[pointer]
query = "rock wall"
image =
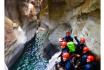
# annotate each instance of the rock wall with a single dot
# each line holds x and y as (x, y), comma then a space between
(20, 27)
(83, 16)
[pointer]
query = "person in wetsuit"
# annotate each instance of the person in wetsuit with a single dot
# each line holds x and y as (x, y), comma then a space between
(68, 37)
(90, 65)
(80, 45)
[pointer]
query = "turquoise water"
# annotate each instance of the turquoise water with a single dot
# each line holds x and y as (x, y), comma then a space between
(32, 58)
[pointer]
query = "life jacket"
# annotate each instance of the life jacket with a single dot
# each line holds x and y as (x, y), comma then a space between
(71, 46)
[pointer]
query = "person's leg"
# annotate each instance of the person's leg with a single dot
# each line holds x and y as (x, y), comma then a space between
(62, 64)
(88, 67)
(68, 65)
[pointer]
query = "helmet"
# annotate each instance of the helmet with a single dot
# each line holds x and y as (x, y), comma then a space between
(71, 46)
(65, 55)
(82, 40)
(60, 39)
(90, 58)
(63, 43)
(85, 49)
(68, 33)
(62, 46)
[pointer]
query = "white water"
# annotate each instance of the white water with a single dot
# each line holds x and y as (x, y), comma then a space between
(20, 35)
(52, 61)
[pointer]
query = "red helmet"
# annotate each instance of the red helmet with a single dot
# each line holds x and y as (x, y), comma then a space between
(82, 40)
(63, 43)
(85, 49)
(68, 33)
(65, 55)
(90, 58)
(62, 46)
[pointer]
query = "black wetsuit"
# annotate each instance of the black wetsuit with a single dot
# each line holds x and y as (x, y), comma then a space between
(79, 46)
(68, 38)
(83, 59)
(62, 63)
(89, 66)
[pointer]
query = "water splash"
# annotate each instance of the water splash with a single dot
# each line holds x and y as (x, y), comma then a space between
(20, 35)
(52, 61)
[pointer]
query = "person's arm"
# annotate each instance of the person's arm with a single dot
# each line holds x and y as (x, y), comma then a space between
(78, 63)
(75, 37)
(64, 38)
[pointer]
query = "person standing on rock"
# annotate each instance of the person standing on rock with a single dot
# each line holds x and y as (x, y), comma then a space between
(86, 57)
(82, 60)
(66, 62)
(80, 45)
(90, 65)
(64, 47)
(68, 37)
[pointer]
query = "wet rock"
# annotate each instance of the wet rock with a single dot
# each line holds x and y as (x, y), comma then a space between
(49, 50)
(14, 40)
(88, 26)
(13, 53)
(20, 26)
(85, 22)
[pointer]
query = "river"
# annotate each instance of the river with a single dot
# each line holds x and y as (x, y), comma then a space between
(31, 58)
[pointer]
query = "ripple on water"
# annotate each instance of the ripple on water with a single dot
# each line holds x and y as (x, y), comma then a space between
(32, 59)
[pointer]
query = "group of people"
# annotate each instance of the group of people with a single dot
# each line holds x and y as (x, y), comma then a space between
(75, 54)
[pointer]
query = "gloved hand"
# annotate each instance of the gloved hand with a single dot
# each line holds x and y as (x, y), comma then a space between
(78, 55)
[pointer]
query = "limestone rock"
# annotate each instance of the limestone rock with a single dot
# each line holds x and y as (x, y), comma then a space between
(10, 37)
(13, 44)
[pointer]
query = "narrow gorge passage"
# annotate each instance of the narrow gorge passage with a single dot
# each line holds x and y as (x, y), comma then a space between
(32, 58)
